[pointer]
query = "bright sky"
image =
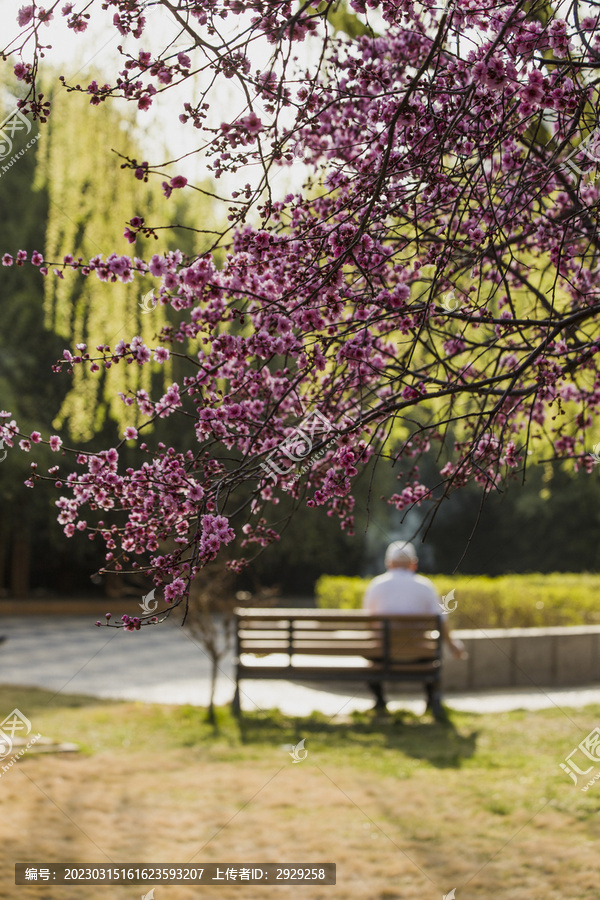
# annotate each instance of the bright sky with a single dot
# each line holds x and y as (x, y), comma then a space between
(95, 52)
(161, 136)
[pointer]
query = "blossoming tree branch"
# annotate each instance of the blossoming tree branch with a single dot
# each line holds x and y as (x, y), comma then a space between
(436, 276)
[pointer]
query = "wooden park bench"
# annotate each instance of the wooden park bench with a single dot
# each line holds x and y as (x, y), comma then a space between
(338, 645)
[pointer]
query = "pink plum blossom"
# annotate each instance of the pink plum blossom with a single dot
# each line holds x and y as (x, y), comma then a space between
(25, 15)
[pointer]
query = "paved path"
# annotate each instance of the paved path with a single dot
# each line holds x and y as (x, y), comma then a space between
(165, 664)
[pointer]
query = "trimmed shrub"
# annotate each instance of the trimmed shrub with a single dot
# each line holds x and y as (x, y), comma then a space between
(508, 601)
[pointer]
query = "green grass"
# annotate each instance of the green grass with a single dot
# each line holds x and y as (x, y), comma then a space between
(508, 601)
(528, 742)
(478, 802)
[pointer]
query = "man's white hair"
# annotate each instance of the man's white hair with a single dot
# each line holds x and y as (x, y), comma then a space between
(400, 552)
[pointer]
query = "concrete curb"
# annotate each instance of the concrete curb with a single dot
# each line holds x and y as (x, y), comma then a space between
(525, 657)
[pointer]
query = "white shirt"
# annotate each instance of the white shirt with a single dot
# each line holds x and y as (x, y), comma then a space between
(402, 592)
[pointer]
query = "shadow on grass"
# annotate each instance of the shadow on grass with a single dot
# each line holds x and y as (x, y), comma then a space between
(382, 740)
(440, 743)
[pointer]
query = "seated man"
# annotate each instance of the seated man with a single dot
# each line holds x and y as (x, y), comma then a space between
(401, 592)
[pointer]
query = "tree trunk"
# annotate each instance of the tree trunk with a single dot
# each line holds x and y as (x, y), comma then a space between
(214, 661)
(20, 562)
(4, 544)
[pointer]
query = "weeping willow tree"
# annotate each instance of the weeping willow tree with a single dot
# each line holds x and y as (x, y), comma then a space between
(90, 199)
(68, 194)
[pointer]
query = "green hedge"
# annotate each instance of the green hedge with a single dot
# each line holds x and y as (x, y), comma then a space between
(509, 601)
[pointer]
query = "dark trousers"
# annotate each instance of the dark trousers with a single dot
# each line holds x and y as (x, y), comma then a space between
(376, 689)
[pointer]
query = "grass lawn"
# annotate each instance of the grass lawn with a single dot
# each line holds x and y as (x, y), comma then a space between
(406, 807)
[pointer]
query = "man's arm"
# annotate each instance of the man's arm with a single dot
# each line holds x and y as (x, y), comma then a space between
(456, 647)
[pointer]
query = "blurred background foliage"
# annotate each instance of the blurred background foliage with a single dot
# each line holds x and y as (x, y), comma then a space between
(69, 193)
(508, 601)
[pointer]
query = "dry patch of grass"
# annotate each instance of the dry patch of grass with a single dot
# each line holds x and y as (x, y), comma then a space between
(407, 808)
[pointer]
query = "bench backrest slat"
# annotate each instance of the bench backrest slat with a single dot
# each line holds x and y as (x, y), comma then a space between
(338, 632)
